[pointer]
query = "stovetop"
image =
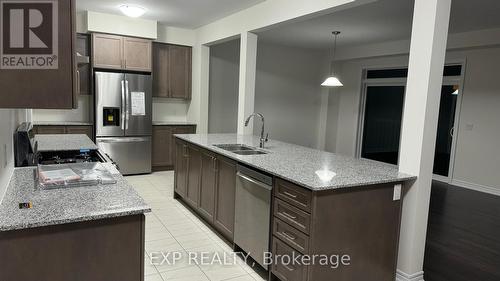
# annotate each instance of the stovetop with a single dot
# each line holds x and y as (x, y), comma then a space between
(72, 156)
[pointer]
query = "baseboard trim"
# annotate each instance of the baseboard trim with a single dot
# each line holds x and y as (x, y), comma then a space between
(476, 187)
(401, 276)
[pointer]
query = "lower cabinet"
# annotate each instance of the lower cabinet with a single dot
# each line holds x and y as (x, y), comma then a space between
(163, 157)
(208, 184)
(60, 129)
(181, 166)
(193, 176)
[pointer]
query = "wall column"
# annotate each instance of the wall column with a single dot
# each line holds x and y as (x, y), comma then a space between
(246, 93)
(419, 128)
(198, 107)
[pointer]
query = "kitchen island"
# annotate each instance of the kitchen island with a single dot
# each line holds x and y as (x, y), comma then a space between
(322, 203)
(93, 232)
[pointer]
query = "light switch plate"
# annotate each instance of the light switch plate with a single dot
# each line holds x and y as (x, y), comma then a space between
(397, 192)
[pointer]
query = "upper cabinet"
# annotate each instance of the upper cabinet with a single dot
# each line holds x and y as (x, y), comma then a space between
(40, 72)
(121, 53)
(172, 67)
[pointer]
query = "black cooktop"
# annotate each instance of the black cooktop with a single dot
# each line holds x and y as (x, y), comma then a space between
(70, 156)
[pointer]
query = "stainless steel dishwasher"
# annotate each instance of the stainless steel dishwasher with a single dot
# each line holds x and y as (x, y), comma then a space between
(253, 212)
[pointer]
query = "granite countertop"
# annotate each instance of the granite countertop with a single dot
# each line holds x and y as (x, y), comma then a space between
(61, 142)
(300, 164)
(65, 205)
(173, 123)
(62, 123)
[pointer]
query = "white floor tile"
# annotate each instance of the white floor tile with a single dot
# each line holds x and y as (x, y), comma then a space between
(191, 273)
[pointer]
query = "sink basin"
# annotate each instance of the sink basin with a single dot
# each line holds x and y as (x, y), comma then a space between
(240, 149)
(234, 147)
(249, 152)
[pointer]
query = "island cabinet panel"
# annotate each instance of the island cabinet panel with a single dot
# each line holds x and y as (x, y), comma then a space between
(225, 197)
(193, 177)
(207, 186)
(172, 71)
(98, 250)
(181, 166)
(29, 77)
(163, 157)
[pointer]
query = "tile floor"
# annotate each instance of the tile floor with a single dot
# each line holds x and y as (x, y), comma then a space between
(171, 227)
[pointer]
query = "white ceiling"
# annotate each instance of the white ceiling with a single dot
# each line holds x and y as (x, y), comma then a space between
(384, 20)
(179, 13)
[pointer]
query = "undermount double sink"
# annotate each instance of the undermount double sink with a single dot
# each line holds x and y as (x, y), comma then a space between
(240, 149)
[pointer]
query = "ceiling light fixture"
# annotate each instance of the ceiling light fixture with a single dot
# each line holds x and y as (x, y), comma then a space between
(132, 11)
(333, 81)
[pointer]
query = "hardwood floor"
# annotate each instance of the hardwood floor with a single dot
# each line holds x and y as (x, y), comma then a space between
(463, 238)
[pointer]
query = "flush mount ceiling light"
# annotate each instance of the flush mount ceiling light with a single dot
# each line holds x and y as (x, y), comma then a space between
(132, 11)
(333, 81)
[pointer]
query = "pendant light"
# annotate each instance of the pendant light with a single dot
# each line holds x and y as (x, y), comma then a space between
(333, 81)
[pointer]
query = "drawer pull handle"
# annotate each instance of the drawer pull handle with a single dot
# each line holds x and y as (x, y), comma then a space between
(288, 215)
(289, 194)
(288, 236)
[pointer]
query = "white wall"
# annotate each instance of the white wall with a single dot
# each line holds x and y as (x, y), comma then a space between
(223, 87)
(477, 154)
(107, 23)
(9, 119)
(81, 114)
(169, 110)
(288, 93)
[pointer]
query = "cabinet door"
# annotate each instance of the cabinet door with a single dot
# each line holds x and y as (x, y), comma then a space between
(137, 54)
(49, 130)
(224, 197)
(82, 48)
(160, 70)
(179, 72)
(180, 130)
(107, 51)
(193, 178)
(180, 174)
(85, 130)
(55, 85)
(207, 186)
(162, 146)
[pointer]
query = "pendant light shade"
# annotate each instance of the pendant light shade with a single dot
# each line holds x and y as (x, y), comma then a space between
(333, 81)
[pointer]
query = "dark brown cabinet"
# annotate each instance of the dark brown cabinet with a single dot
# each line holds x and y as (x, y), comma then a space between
(172, 67)
(163, 157)
(121, 53)
(224, 197)
(60, 129)
(42, 77)
(207, 185)
(193, 176)
(181, 166)
(83, 51)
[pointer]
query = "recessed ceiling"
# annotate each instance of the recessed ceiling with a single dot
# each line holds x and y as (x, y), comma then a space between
(179, 13)
(381, 21)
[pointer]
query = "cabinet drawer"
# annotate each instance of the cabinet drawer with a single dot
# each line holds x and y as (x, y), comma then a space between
(293, 194)
(292, 215)
(291, 236)
(287, 272)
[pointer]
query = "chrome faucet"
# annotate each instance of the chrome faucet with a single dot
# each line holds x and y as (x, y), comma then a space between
(262, 139)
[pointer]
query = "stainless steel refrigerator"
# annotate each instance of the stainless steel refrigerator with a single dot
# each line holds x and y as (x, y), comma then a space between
(124, 119)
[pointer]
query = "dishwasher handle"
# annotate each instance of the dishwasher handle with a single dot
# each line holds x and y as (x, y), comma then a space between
(249, 179)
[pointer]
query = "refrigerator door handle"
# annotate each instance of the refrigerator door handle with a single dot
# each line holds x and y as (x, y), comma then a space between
(127, 106)
(123, 103)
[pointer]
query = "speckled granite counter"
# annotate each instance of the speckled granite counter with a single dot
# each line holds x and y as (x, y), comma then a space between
(300, 165)
(60, 142)
(62, 123)
(65, 205)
